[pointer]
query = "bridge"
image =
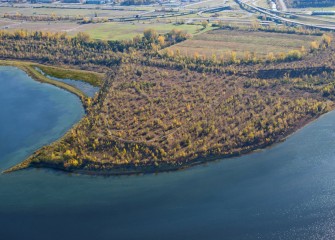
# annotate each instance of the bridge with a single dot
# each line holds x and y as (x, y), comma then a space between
(277, 17)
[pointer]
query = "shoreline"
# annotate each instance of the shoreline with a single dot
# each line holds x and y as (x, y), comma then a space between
(116, 170)
(151, 169)
(29, 69)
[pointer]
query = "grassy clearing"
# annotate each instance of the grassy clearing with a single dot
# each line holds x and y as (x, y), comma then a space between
(86, 76)
(261, 43)
(103, 31)
(122, 31)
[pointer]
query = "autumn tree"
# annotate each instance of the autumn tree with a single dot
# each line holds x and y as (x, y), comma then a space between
(204, 24)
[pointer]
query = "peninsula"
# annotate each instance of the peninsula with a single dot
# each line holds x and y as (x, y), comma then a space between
(160, 109)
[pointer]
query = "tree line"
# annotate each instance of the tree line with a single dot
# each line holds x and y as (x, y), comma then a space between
(162, 110)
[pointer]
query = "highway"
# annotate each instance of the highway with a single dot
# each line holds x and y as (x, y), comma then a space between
(276, 17)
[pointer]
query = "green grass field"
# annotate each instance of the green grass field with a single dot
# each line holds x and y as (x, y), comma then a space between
(122, 31)
(103, 31)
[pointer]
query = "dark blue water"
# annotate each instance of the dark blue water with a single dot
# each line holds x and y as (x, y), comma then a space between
(285, 192)
(88, 89)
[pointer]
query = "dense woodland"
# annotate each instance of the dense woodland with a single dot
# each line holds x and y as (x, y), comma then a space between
(58, 48)
(151, 117)
(160, 112)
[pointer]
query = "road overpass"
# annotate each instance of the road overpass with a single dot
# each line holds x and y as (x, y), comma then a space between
(276, 16)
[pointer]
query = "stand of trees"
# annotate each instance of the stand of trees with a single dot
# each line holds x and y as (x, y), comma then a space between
(157, 112)
(58, 48)
(151, 117)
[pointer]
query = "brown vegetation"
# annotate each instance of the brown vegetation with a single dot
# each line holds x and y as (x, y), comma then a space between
(157, 112)
(244, 46)
(151, 119)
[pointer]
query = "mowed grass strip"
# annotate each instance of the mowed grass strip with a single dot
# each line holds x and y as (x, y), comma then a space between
(261, 43)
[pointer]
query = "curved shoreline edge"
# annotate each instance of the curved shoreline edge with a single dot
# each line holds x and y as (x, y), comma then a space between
(29, 68)
(152, 169)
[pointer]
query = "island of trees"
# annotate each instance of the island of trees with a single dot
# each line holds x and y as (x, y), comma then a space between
(160, 110)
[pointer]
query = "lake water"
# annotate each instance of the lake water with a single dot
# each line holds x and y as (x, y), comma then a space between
(86, 88)
(284, 192)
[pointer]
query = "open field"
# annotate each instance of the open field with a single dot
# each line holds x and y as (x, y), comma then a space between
(261, 43)
(64, 26)
(81, 6)
(7, 22)
(103, 31)
(122, 31)
(31, 11)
